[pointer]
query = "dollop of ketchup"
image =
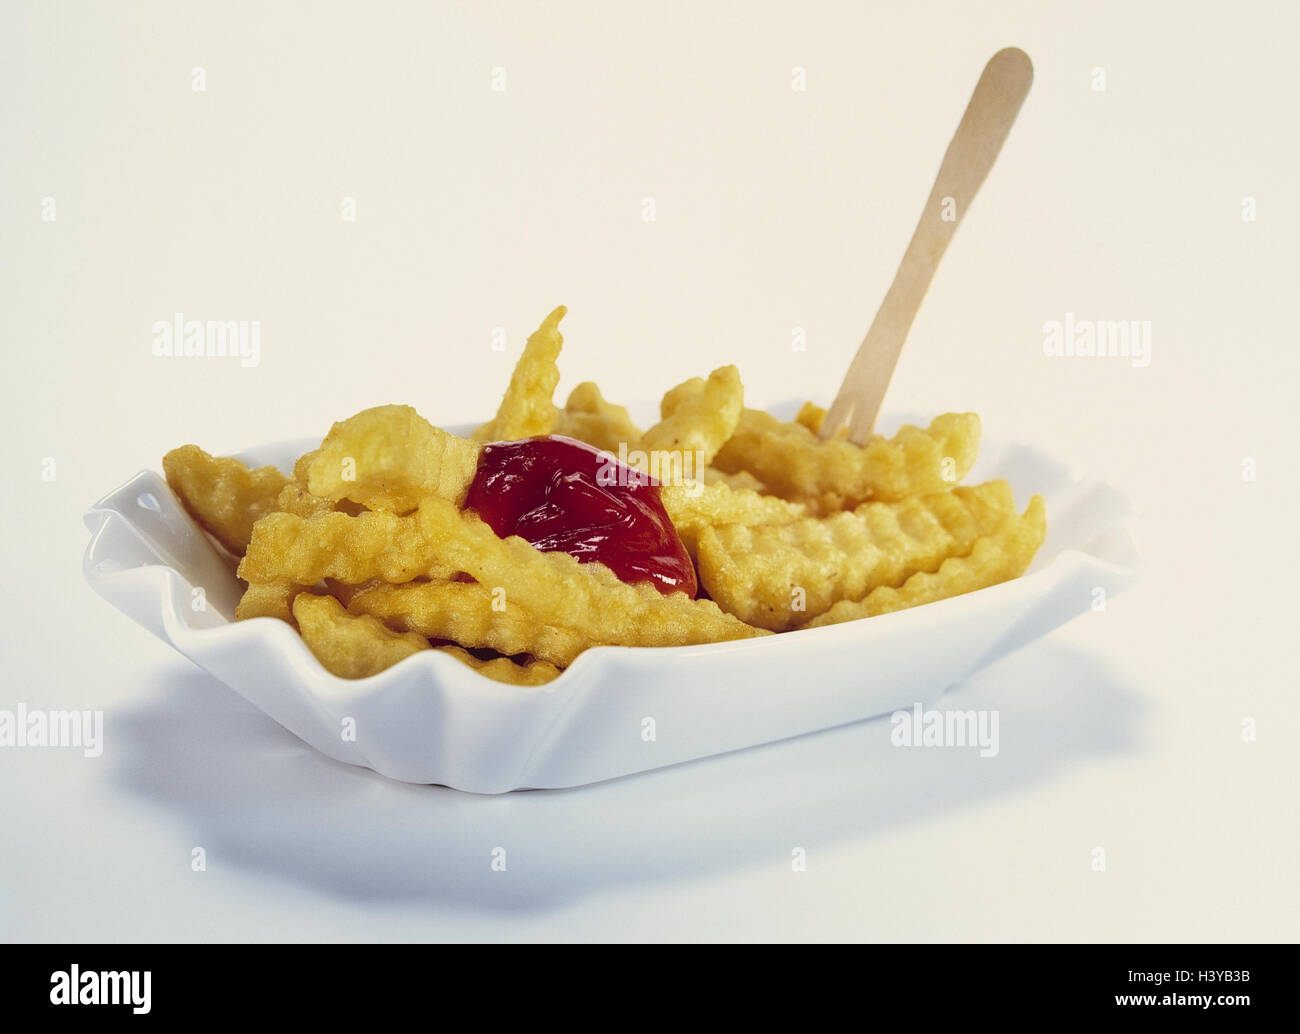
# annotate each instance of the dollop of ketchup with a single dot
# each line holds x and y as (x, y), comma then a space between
(562, 494)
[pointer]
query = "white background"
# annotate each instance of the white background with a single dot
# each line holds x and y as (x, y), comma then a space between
(775, 209)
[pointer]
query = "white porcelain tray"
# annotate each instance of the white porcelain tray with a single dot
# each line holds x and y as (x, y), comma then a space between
(431, 719)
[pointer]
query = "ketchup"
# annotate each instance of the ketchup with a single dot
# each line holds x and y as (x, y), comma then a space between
(562, 494)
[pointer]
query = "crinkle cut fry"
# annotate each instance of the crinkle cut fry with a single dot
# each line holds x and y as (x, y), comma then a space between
(528, 409)
(812, 416)
(345, 592)
(995, 558)
(587, 598)
(222, 494)
(389, 458)
(589, 418)
(504, 669)
(357, 646)
(698, 418)
(778, 576)
(268, 600)
(301, 503)
(469, 614)
(692, 508)
(302, 467)
(349, 646)
(295, 498)
(350, 549)
(794, 463)
(742, 479)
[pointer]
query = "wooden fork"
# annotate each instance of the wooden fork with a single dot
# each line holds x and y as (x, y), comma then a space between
(979, 137)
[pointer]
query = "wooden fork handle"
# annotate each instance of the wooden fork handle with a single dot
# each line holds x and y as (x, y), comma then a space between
(984, 127)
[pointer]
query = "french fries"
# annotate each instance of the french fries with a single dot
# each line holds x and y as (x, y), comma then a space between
(470, 614)
(357, 646)
(295, 500)
(503, 669)
(527, 408)
(589, 418)
(740, 479)
(698, 418)
(778, 576)
(370, 551)
(349, 646)
(995, 558)
(694, 508)
(389, 458)
(268, 600)
(587, 599)
(222, 495)
(374, 544)
(794, 463)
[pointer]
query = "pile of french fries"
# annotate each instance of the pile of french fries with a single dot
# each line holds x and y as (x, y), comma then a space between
(367, 548)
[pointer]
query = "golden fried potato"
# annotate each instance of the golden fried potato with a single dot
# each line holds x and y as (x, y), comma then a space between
(527, 408)
(293, 499)
(589, 418)
(794, 463)
(777, 576)
(302, 468)
(368, 552)
(349, 646)
(346, 593)
(692, 508)
(812, 416)
(503, 669)
(674, 397)
(995, 558)
(698, 417)
(555, 588)
(221, 494)
(268, 600)
(389, 458)
(469, 614)
(741, 479)
(286, 547)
